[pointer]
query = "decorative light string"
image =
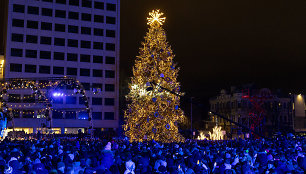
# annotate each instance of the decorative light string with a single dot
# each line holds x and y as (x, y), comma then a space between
(40, 95)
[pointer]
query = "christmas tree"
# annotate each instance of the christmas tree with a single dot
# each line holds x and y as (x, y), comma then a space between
(153, 112)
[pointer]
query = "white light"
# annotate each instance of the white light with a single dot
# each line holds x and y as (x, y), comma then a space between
(156, 17)
(56, 94)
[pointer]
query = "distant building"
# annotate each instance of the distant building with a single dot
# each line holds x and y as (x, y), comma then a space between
(56, 38)
(278, 112)
(299, 112)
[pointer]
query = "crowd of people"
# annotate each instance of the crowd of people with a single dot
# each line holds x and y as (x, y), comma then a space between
(119, 156)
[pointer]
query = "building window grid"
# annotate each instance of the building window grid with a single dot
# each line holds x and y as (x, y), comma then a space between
(18, 22)
(99, 5)
(31, 53)
(31, 39)
(33, 10)
(110, 20)
(84, 58)
(73, 15)
(60, 27)
(46, 26)
(32, 24)
(18, 8)
(110, 7)
(17, 37)
(97, 59)
(47, 12)
(86, 30)
(109, 34)
(73, 43)
(45, 54)
(58, 70)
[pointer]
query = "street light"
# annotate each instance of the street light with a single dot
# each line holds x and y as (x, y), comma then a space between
(191, 116)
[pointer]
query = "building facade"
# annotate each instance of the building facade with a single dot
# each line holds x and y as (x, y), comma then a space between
(278, 113)
(56, 38)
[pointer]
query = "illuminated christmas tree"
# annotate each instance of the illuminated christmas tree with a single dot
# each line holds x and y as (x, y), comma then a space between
(153, 112)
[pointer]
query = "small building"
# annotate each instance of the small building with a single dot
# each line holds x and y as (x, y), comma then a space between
(262, 110)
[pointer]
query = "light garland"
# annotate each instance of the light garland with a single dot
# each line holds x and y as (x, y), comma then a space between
(40, 90)
(153, 112)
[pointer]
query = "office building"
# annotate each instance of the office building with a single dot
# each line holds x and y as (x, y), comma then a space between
(56, 38)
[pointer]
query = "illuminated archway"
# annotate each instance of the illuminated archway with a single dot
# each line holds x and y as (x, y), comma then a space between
(42, 94)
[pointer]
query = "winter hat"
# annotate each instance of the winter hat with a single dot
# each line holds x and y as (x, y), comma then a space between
(71, 156)
(12, 159)
(270, 157)
(163, 163)
(15, 150)
(37, 161)
(108, 146)
(227, 166)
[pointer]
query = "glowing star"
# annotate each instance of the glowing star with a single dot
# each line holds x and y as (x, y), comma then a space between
(156, 16)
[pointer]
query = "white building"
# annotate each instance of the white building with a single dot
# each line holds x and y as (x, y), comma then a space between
(56, 38)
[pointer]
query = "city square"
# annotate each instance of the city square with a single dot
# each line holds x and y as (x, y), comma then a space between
(134, 87)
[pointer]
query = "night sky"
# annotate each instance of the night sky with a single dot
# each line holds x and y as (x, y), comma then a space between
(221, 43)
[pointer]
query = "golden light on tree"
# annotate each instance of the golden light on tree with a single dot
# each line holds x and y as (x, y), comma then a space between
(153, 112)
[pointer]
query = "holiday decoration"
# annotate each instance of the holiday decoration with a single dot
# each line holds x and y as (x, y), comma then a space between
(217, 133)
(154, 109)
(167, 126)
(156, 114)
(3, 122)
(202, 136)
(42, 97)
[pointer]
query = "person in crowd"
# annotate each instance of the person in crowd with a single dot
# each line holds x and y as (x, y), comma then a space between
(66, 155)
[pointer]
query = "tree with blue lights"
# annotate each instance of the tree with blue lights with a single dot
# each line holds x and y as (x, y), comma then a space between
(154, 112)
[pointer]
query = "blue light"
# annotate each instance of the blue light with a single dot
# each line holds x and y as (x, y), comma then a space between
(57, 94)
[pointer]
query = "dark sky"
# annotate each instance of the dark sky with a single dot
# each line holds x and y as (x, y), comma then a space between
(219, 43)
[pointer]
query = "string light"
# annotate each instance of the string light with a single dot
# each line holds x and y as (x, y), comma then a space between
(39, 95)
(154, 113)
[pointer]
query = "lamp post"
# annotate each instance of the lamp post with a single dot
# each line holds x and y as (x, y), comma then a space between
(191, 116)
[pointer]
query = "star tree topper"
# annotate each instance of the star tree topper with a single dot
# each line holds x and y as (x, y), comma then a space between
(156, 17)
